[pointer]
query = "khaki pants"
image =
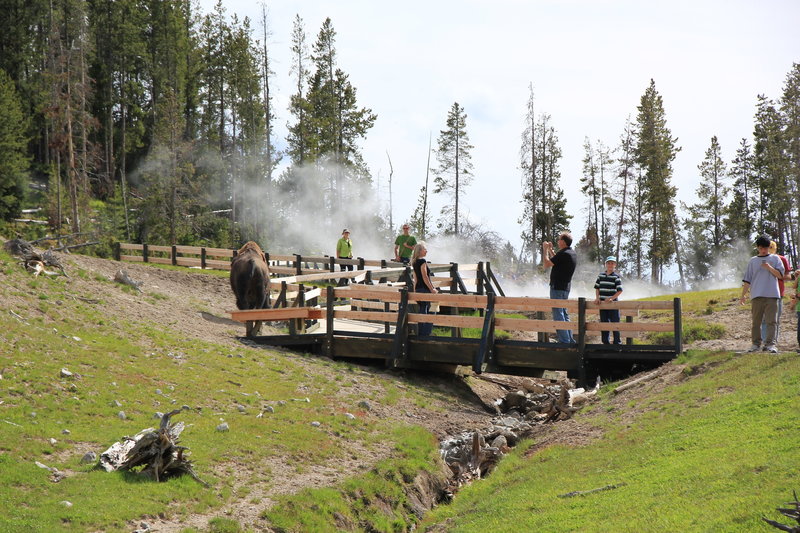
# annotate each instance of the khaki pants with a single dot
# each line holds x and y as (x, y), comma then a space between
(766, 310)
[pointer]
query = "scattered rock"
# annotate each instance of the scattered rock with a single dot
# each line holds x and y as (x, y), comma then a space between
(65, 373)
(158, 415)
(65, 503)
(116, 403)
(241, 408)
(364, 404)
(315, 424)
(223, 427)
(122, 415)
(350, 416)
(53, 441)
(88, 458)
(65, 432)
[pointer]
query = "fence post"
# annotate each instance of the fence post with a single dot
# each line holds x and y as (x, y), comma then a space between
(479, 275)
(297, 266)
(117, 251)
(400, 345)
(486, 348)
(629, 339)
(676, 306)
(144, 253)
(329, 322)
(582, 340)
(360, 263)
(332, 264)
(174, 255)
(203, 258)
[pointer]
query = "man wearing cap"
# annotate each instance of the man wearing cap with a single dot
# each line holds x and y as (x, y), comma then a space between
(344, 249)
(607, 288)
(761, 281)
(404, 246)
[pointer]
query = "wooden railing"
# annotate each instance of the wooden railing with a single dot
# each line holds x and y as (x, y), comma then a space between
(475, 278)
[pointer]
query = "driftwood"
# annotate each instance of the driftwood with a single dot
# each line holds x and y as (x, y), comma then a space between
(34, 261)
(156, 451)
(793, 513)
(122, 277)
(637, 381)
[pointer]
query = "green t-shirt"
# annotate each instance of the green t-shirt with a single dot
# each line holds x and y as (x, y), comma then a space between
(405, 239)
(344, 248)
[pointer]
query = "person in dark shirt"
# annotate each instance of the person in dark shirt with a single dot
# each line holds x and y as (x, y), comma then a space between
(563, 265)
(422, 283)
(607, 288)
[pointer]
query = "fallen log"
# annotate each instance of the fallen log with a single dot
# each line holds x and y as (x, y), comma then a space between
(637, 381)
(591, 491)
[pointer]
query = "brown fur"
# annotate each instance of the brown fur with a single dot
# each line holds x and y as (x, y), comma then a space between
(250, 281)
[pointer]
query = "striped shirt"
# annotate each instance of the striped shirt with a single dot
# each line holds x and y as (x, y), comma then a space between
(608, 284)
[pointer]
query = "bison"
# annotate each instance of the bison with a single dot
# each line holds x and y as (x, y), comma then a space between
(250, 282)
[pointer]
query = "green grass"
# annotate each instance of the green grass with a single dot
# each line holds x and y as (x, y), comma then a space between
(715, 452)
(149, 368)
(375, 499)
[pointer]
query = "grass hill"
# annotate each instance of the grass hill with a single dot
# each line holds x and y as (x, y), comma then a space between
(710, 444)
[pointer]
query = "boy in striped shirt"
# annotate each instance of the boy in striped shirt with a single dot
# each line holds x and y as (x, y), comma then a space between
(607, 288)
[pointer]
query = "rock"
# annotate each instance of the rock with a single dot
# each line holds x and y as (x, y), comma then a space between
(65, 503)
(159, 415)
(116, 403)
(364, 404)
(65, 432)
(186, 407)
(269, 409)
(282, 402)
(350, 416)
(53, 442)
(40, 465)
(223, 427)
(88, 458)
(515, 399)
(499, 442)
(65, 373)
(122, 415)
(241, 408)
(33, 414)
(158, 391)
(315, 424)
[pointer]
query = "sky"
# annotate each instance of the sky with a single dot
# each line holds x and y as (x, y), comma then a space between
(589, 62)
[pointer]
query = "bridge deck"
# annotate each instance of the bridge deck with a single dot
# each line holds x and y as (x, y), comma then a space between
(390, 336)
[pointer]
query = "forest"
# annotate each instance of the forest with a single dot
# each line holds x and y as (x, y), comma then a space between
(150, 121)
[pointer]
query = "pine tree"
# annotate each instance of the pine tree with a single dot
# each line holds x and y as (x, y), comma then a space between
(530, 181)
(740, 222)
(790, 109)
(771, 167)
(655, 151)
(454, 173)
(706, 216)
(13, 149)
(623, 186)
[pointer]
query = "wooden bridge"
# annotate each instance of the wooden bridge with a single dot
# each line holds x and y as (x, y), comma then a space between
(529, 354)
(379, 294)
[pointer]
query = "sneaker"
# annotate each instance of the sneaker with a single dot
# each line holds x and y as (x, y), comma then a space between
(754, 348)
(772, 349)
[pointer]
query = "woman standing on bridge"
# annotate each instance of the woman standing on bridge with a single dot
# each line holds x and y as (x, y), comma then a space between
(422, 283)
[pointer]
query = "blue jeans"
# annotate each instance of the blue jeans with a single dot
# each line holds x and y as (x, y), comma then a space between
(610, 315)
(561, 315)
(424, 329)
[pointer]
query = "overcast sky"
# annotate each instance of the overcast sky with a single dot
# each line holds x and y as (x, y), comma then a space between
(589, 62)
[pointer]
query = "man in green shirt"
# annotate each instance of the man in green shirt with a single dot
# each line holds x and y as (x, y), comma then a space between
(404, 246)
(344, 250)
